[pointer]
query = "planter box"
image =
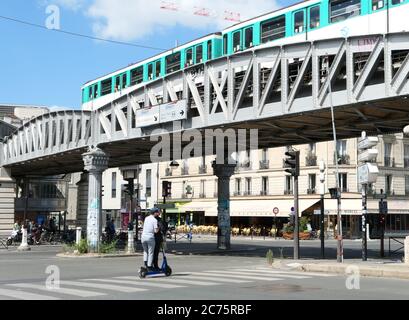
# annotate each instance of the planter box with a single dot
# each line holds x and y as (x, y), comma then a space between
(290, 236)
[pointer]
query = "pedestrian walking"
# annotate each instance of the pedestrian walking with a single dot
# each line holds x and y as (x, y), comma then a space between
(150, 228)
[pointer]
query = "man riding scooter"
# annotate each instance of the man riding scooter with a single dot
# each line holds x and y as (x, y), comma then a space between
(159, 237)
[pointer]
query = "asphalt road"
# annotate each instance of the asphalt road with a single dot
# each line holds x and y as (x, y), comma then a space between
(237, 276)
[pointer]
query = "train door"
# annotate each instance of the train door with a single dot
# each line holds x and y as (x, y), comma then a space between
(299, 25)
(313, 21)
(237, 45)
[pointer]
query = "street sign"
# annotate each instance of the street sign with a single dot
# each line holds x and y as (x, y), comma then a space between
(276, 211)
(368, 173)
(368, 155)
(147, 117)
(166, 206)
(367, 143)
(173, 111)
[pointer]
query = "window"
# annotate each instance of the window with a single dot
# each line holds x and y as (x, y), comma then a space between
(312, 183)
(113, 185)
(388, 153)
(238, 187)
(299, 22)
(248, 186)
(199, 54)
(395, 2)
(341, 147)
(273, 29)
(106, 87)
(117, 83)
(237, 41)
(312, 148)
(406, 155)
(157, 69)
(248, 38)
(123, 81)
(148, 183)
(314, 17)
(288, 185)
(209, 50)
(93, 93)
(264, 186)
(264, 155)
(341, 10)
(378, 4)
(343, 182)
(225, 44)
(407, 185)
(150, 71)
(202, 188)
(137, 76)
(189, 57)
(173, 63)
(388, 184)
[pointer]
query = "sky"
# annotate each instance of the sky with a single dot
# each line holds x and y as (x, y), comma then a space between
(44, 67)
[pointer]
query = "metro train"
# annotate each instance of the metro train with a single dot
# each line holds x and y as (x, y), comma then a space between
(306, 21)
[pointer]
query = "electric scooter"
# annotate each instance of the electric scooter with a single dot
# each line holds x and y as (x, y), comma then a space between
(165, 269)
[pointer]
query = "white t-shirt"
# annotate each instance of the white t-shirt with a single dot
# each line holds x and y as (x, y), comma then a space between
(149, 226)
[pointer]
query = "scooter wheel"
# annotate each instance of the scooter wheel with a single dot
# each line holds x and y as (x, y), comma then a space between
(143, 273)
(168, 272)
(9, 242)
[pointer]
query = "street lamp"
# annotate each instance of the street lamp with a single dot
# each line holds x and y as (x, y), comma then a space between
(174, 164)
(406, 131)
(322, 216)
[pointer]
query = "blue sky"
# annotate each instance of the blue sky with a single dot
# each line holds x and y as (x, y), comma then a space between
(43, 67)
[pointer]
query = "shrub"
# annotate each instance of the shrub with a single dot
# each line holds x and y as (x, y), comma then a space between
(82, 247)
(107, 248)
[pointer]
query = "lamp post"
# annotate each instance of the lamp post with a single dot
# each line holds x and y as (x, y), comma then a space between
(322, 216)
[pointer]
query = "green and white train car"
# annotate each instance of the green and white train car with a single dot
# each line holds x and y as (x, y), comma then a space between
(306, 21)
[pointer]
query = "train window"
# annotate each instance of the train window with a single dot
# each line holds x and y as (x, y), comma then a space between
(199, 54)
(123, 82)
(209, 50)
(237, 41)
(273, 29)
(157, 68)
(173, 63)
(394, 2)
(341, 10)
(150, 71)
(94, 91)
(314, 17)
(189, 57)
(106, 87)
(378, 4)
(137, 76)
(117, 84)
(225, 44)
(299, 22)
(248, 38)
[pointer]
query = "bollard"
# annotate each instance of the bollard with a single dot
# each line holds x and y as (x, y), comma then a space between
(78, 235)
(24, 245)
(131, 248)
(407, 250)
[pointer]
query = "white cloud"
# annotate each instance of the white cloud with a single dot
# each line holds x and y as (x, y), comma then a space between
(134, 19)
(73, 5)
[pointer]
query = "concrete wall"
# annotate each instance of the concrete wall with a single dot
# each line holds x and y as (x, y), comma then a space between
(7, 197)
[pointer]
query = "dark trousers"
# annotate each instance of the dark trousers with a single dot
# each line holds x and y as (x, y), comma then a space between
(158, 242)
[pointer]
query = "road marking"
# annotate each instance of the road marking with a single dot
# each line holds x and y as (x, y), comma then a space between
(182, 281)
(199, 276)
(139, 283)
(268, 273)
(213, 274)
(23, 295)
(314, 274)
(102, 286)
(71, 292)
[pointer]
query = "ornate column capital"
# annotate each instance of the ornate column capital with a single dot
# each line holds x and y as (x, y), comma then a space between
(95, 160)
(223, 170)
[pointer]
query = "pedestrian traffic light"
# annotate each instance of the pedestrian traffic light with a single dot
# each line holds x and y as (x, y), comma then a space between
(166, 188)
(292, 163)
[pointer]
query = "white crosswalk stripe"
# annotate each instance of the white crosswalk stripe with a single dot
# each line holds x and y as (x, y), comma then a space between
(312, 274)
(137, 282)
(267, 273)
(220, 275)
(23, 295)
(110, 287)
(71, 292)
(200, 276)
(182, 281)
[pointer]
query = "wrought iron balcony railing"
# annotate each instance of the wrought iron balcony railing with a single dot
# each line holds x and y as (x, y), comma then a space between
(264, 165)
(202, 169)
(311, 160)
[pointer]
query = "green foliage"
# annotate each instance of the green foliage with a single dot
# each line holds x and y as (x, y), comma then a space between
(303, 222)
(82, 247)
(107, 248)
(69, 248)
(270, 257)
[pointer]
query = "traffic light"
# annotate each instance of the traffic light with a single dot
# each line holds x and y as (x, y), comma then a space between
(293, 163)
(102, 191)
(382, 220)
(166, 189)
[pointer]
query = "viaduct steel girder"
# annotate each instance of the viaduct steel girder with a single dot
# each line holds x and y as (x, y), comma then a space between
(285, 92)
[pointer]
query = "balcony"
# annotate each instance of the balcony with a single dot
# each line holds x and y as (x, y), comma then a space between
(202, 169)
(264, 165)
(185, 171)
(202, 196)
(288, 192)
(245, 166)
(389, 162)
(312, 191)
(343, 160)
(168, 172)
(311, 160)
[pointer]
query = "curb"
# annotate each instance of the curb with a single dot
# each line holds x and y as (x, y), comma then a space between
(99, 256)
(365, 271)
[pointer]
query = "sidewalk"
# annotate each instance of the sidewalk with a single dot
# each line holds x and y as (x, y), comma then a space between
(371, 268)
